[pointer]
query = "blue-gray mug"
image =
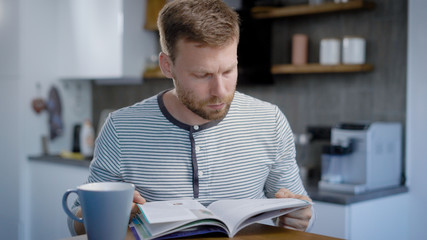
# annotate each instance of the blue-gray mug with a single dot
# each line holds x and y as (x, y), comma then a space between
(105, 208)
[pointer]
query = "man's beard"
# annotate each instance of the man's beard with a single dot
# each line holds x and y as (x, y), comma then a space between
(197, 106)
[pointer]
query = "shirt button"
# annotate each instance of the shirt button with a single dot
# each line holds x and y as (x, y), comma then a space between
(196, 127)
(197, 148)
(200, 173)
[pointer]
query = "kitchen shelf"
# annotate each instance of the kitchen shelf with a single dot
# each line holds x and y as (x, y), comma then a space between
(292, 69)
(153, 73)
(298, 10)
(318, 68)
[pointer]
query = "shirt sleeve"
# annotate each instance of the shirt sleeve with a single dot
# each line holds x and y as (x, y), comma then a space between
(105, 165)
(284, 173)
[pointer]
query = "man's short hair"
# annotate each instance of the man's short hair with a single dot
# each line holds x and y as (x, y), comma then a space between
(208, 22)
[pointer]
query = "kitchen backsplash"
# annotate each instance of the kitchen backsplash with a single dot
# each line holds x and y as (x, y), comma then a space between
(325, 99)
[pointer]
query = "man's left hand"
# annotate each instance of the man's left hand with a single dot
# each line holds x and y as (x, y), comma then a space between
(298, 219)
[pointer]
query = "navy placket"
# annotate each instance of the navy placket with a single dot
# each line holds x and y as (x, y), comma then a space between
(194, 162)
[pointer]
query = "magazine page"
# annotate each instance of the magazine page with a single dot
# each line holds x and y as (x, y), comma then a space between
(163, 217)
(236, 214)
(169, 211)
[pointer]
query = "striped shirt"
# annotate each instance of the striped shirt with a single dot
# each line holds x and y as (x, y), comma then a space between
(248, 154)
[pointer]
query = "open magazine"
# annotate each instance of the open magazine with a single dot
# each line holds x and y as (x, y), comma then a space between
(183, 218)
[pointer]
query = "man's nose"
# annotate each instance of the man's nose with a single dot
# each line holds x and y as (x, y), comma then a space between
(217, 87)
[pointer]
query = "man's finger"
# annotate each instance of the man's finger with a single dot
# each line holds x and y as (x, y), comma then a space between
(137, 198)
(293, 223)
(303, 197)
(134, 211)
(302, 214)
(284, 193)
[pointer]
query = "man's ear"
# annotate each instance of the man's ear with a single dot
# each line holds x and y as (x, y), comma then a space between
(165, 63)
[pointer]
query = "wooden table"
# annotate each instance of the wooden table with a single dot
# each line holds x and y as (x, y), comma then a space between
(253, 232)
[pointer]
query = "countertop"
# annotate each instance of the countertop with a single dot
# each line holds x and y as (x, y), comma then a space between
(347, 198)
(312, 189)
(60, 160)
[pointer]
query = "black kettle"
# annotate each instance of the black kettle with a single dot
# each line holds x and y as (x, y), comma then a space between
(76, 138)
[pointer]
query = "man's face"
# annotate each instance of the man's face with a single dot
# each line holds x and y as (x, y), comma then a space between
(205, 78)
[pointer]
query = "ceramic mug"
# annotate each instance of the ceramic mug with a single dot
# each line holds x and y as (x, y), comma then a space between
(354, 49)
(105, 208)
(330, 51)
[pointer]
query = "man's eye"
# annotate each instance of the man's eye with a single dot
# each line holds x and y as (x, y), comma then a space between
(202, 76)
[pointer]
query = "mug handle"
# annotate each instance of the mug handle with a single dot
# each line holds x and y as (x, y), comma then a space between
(65, 205)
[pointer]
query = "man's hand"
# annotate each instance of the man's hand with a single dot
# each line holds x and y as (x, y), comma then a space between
(298, 219)
(137, 199)
(78, 226)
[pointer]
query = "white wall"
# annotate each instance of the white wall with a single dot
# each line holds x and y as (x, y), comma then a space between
(48, 219)
(417, 118)
(28, 55)
(39, 65)
(30, 46)
(9, 141)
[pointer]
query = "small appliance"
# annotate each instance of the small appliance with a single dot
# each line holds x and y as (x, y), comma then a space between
(362, 157)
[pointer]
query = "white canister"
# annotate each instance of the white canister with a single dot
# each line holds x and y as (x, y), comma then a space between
(87, 139)
(330, 51)
(316, 2)
(353, 50)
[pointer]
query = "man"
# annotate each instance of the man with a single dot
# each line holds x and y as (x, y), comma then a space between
(202, 139)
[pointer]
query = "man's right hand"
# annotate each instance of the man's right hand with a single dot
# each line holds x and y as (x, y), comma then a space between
(78, 226)
(137, 199)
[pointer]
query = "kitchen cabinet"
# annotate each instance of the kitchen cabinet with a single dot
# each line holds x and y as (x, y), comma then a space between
(306, 9)
(374, 219)
(48, 179)
(103, 39)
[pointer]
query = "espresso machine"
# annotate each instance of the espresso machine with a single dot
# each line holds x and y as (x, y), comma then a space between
(362, 157)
